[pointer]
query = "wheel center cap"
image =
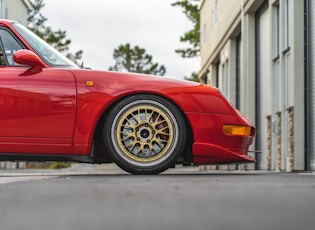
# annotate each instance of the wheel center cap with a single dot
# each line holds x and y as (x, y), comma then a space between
(144, 133)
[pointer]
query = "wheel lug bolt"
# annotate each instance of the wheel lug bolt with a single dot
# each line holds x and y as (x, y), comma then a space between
(153, 132)
(138, 139)
(137, 129)
(146, 125)
(148, 141)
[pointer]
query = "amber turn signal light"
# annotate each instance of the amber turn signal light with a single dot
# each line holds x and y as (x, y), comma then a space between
(89, 83)
(236, 130)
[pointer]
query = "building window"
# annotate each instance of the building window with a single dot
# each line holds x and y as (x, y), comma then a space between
(215, 80)
(0, 8)
(276, 27)
(286, 12)
(204, 36)
(288, 81)
(224, 83)
(221, 77)
(277, 86)
(276, 57)
(6, 13)
(215, 12)
(286, 52)
(238, 71)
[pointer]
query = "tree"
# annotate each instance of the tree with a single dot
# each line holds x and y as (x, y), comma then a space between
(192, 37)
(135, 60)
(193, 77)
(36, 23)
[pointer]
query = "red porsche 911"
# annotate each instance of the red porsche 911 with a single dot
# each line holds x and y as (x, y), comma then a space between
(51, 110)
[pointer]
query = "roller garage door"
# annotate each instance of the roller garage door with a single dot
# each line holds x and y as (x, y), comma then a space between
(310, 8)
(263, 82)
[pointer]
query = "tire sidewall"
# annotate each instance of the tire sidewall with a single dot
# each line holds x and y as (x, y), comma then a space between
(165, 162)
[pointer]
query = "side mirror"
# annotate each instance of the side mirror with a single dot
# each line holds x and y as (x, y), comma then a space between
(28, 58)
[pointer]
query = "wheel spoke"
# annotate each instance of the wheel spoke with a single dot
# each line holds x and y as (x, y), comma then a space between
(131, 146)
(145, 133)
(148, 116)
(159, 123)
(163, 130)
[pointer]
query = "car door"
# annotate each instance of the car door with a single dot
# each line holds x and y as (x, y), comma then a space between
(37, 110)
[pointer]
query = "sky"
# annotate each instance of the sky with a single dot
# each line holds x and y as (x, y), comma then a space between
(99, 26)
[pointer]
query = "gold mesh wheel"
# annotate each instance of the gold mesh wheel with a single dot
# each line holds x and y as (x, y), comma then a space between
(144, 132)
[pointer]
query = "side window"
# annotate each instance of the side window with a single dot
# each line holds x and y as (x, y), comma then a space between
(2, 61)
(8, 46)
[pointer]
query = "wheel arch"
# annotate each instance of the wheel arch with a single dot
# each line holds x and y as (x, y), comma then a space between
(99, 154)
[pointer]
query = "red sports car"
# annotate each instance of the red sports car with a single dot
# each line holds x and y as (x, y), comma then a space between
(51, 110)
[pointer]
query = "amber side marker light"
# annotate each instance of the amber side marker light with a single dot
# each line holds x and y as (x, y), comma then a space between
(89, 83)
(236, 130)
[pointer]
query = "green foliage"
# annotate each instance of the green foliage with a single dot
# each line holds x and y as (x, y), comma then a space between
(192, 37)
(135, 60)
(59, 165)
(35, 19)
(47, 165)
(58, 39)
(193, 77)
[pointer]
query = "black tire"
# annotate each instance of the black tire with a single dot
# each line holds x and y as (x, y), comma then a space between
(145, 134)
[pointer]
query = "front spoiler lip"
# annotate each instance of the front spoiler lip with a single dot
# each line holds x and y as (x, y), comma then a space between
(205, 153)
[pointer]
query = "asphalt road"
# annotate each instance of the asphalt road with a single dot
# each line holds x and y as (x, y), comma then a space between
(107, 198)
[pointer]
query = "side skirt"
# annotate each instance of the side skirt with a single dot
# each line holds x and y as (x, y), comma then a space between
(43, 158)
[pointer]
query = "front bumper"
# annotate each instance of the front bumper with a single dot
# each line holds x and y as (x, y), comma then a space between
(205, 153)
(213, 146)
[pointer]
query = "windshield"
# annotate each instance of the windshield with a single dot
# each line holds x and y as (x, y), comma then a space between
(50, 55)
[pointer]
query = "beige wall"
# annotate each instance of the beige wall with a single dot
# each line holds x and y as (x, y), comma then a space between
(15, 10)
(218, 48)
(228, 14)
(228, 25)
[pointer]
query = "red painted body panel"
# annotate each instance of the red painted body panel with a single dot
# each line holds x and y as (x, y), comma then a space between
(204, 106)
(39, 109)
(55, 111)
(211, 145)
